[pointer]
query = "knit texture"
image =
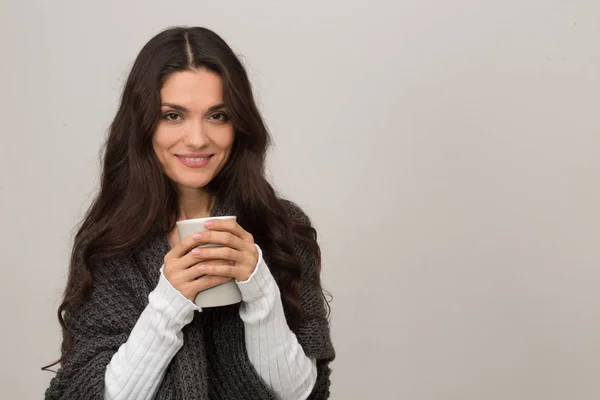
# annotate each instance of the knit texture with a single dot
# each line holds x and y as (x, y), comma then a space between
(213, 362)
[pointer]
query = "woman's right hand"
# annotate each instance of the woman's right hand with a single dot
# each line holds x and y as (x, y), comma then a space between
(180, 269)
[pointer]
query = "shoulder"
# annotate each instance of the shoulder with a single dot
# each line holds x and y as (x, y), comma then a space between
(305, 244)
(115, 273)
(118, 280)
(295, 213)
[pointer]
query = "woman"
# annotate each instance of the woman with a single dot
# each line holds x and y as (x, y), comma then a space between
(188, 142)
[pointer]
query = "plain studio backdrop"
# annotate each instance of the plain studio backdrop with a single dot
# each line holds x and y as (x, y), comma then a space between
(447, 152)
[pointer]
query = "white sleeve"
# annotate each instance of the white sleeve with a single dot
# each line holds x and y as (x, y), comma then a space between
(272, 347)
(138, 367)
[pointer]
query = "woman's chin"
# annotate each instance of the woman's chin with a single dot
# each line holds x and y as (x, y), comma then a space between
(192, 183)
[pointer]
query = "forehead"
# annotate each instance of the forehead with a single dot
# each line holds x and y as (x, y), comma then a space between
(196, 89)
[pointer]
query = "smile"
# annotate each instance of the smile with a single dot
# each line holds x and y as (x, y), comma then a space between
(194, 161)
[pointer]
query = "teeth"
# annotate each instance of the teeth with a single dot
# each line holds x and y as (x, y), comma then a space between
(194, 159)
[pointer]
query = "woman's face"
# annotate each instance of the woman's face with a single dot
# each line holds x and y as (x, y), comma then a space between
(194, 136)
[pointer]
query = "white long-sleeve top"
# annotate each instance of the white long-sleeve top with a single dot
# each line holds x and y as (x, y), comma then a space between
(138, 367)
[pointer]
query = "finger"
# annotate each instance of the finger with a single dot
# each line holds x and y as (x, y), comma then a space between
(185, 261)
(228, 226)
(223, 269)
(194, 272)
(184, 246)
(227, 239)
(207, 282)
(198, 255)
(217, 253)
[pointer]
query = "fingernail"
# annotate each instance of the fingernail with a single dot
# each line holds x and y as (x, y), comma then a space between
(208, 224)
(197, 252)
(202, 268)
(197, 236)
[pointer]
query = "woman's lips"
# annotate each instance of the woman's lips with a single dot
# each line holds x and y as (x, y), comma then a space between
(194, 160)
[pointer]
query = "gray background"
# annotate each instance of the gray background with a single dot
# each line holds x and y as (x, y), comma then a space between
(446, 150)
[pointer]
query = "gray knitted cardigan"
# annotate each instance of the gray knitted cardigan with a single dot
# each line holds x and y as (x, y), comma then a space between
(213, 363)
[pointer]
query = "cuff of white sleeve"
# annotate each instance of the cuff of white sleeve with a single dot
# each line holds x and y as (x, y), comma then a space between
(172, 297)
(260, 283)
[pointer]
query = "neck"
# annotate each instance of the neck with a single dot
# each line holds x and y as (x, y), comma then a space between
(194, 203)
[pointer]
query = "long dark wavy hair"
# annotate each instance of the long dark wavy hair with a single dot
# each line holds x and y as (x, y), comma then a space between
(137, 201)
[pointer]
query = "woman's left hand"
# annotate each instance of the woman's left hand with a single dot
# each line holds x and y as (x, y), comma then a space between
(238, 249)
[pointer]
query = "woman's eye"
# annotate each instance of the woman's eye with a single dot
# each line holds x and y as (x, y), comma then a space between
(172, 117)
(221, 117)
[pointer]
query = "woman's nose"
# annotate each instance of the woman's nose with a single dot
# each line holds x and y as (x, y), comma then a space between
(195, 135)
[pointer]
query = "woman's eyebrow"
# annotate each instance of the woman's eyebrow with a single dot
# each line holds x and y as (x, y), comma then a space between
(175, 107)
(184, 109)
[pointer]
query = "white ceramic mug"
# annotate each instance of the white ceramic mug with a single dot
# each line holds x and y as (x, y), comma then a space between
(224, 294)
